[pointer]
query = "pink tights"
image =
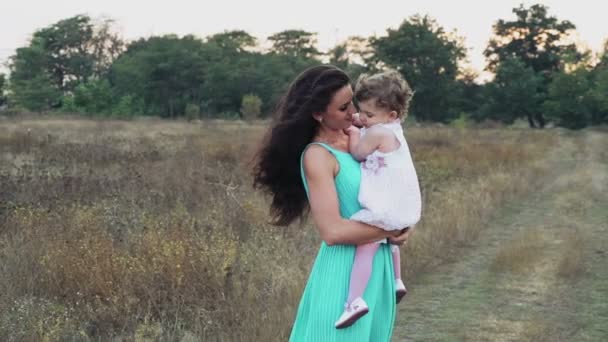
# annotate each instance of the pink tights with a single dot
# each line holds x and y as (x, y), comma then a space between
(362, 268)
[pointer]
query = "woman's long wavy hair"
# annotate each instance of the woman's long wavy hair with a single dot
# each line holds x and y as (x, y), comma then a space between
(277, 163)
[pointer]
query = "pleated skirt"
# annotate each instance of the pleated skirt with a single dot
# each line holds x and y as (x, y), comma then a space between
(326, 292)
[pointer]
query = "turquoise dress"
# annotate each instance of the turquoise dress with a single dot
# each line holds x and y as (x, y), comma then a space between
(327, 287)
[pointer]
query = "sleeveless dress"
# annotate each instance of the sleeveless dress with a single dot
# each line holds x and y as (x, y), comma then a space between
(326, 291)
(389, 193)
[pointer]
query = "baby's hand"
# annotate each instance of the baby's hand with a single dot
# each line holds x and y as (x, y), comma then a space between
(357, 121)
(352, 130)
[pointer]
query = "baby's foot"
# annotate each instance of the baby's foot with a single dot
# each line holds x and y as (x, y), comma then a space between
(400, 290)
(352, 312)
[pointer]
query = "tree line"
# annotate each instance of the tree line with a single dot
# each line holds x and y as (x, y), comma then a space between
(80, 65)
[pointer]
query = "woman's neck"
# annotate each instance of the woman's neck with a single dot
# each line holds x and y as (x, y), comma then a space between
(335, 138)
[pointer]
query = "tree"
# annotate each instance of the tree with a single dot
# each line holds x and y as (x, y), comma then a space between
(269, 75)
(599, 88)
(94, 97)
(31, 85)
(2, 87)
(569, 102)
(598, 93)
(603, 56)
(75, 52)
(469, 94)
(37, 93)
(127, 106)
(61, 57)
(428, 57)
(237, 40)
(165, 72)
(105, 47)
(351, 56)
(230, 72)
(513, 93)
(65, 45)
(537, 40)
(295, 43)
(233, 73)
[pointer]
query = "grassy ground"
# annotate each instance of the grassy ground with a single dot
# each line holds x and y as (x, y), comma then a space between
(149, 230)
(538, 271)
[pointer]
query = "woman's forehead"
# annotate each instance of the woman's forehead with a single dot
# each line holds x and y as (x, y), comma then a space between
(344, 95)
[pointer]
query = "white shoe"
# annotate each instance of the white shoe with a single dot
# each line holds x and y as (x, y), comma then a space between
(352, 312)
(400, 290)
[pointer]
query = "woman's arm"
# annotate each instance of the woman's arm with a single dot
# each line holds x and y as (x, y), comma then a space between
(319, 169)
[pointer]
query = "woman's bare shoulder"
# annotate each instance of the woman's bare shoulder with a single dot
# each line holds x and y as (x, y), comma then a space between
(318, 159)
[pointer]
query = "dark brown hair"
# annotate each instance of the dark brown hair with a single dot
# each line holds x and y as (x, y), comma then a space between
(277, 164)
(389, 89)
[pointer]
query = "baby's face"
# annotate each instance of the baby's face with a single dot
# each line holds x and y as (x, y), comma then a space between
(370, 114)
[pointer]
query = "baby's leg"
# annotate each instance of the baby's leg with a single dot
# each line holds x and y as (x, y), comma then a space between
(362, 270)
(396, 261)
(400, 290)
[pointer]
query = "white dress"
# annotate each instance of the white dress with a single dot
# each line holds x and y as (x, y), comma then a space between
(389, 192)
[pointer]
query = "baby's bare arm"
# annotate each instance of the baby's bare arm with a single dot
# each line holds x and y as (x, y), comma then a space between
(354, 137)
(376, 138)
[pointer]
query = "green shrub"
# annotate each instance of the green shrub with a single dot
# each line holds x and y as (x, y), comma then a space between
(193, 111)
(251, 107)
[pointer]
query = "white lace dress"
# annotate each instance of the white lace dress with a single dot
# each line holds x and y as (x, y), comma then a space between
(389, 192)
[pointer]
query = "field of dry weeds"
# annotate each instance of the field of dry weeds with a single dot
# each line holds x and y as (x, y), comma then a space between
(150, 230)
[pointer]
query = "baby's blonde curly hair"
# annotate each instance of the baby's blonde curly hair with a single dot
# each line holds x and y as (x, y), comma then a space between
(389, 90)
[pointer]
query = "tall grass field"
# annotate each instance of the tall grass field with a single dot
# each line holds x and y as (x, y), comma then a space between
(149, 230)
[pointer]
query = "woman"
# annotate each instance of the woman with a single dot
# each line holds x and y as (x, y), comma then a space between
(304, 165)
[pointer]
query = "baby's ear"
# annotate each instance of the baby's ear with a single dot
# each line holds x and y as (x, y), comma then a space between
(393, 114)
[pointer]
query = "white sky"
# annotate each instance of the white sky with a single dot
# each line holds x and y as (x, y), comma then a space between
(332, 20)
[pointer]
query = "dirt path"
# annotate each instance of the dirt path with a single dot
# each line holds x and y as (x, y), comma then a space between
(539, 271)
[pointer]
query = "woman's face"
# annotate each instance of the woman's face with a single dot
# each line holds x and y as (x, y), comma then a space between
(339, 113)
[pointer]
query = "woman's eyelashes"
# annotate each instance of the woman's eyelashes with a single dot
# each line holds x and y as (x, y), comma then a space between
(346, 106)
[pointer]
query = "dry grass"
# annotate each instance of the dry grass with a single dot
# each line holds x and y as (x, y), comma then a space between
(572, 264)
(150, 229)
(519, 254)
(539, 330)
(466, 175)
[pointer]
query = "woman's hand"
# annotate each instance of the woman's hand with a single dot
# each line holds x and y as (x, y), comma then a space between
(401, 236)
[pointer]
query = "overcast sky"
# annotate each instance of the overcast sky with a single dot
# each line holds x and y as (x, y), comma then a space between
(332, 20)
